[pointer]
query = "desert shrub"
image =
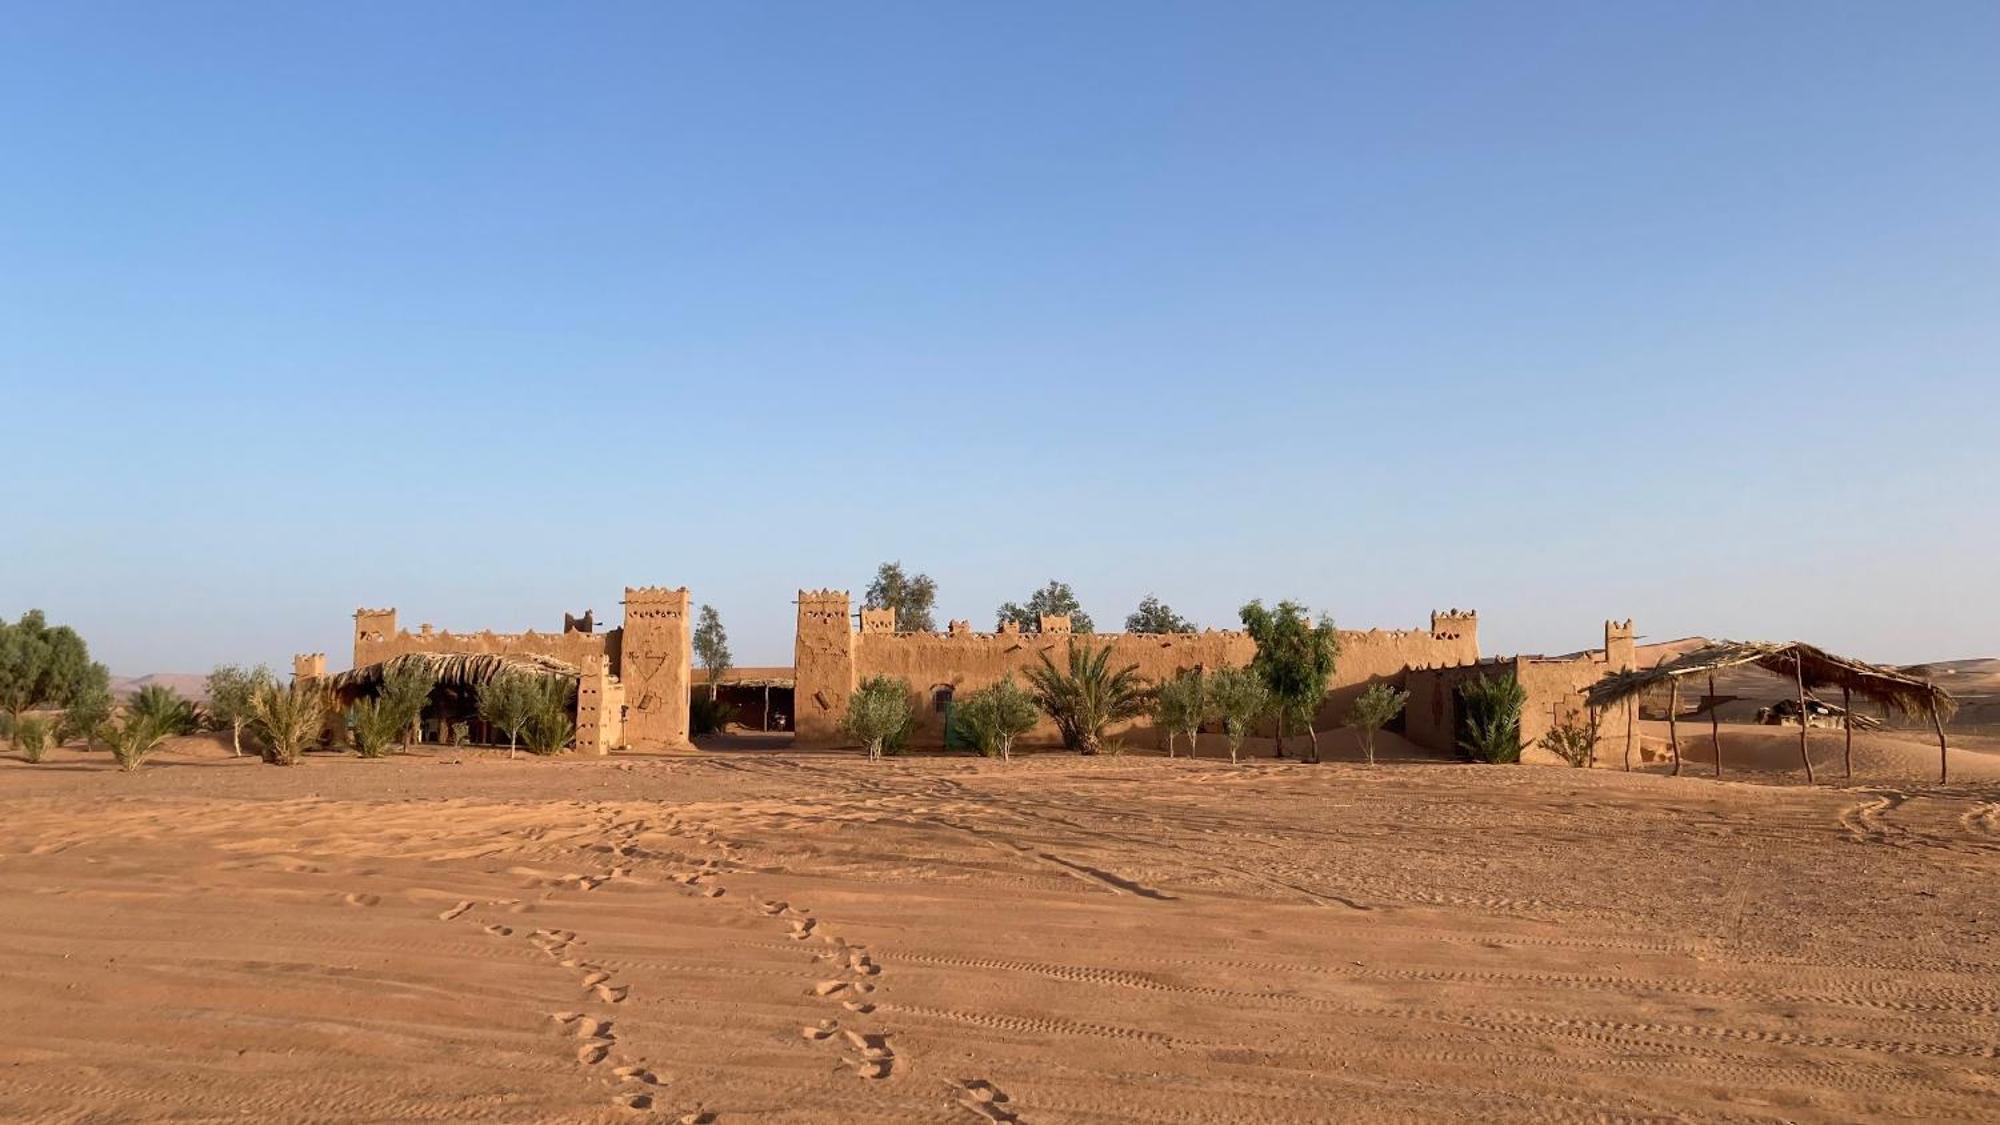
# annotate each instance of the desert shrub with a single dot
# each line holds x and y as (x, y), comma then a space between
(508, 701)
(995, 716)
(406, 689)
(708, 715)
(289, 719)
(232, 695)
(86, 713)
(461, 734)
(1086, 695)
(1574, 740)
(374, 725)
(1490, 719)
(135, 736)
(552, 718)
(1372, 711)
(31, 734)
(163, 704)
(1240, 699)
(1296, 657)
(877, 710)
(1180, 706)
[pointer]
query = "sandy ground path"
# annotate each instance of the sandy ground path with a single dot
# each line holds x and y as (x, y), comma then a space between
(807, 938)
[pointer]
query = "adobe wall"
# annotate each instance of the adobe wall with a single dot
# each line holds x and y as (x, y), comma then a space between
(600, 707)
(656, 667)
(1555, 693)
(376, 639)
(832, 657)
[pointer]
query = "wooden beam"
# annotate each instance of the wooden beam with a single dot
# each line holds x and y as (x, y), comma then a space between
(1847, 705)
(1714, 726)
(1944, 766)
(1631, 725)
(1805, 751)
(1673, 722)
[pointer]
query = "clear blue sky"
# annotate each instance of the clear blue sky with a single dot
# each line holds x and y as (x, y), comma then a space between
(1683, 311)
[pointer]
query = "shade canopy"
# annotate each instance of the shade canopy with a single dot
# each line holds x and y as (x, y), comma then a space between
(1792, 660)
(454, 669)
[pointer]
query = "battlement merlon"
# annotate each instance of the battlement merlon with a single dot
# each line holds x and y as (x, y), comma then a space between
(308, 666)
(1455, 624)
(878, 621)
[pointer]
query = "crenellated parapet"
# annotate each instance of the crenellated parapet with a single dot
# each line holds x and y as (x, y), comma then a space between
(878, 621)
(308, 666)
(1455, 624)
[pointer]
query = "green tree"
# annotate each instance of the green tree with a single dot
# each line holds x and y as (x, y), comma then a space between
(1053, 600)
(1240, 700)
(995, 716)
(175, 714)
(508, 701)
(1086, 695)
(43, 667)
(31, 734)
(877, 711)
(1574, 740)
(1490, 719)
(1372, 711)
(289, 718)
(232, 693)
(1296, 658)
(1155, 616)
(375, 724)
(88, 710)
(552, 719)
(134, 737)
(912, 596)
(406, 690)
(711, 646)
(1181, 706)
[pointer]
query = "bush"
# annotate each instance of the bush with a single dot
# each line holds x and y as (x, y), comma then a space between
(552, 718)
(507, 701)
(32, 736)
(995, 716)
(708, 715)
(134, 738)
(1574, 740)
(90, 710)
(289, 719)
(1372, 711)
(374, 725)
(1180, 706)
(878, 710)
(165, 706)
(1240, 699)
(1086, 696)
(1490, 719)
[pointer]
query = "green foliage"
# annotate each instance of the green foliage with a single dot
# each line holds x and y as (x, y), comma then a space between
(1295, 658)
(406, 690)
(31, 734)
(708, 715)
(289, 718)
(375, 725)
(995, 716)
(1086, 695)
(878, 710)
(1574, 740)
(1155, 616)
(552, 717)
(1490, 719)
(911, 596)
(508, 701)
(134, 737)
(1372, 711)
(1239, 698)
(711, 646)
(1181, 706)
(89, 710)
(1053, 600)
(461, 734)
(43, 667)
(162, 703)
(232, 697)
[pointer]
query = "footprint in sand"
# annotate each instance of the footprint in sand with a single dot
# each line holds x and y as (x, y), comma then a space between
(824, 1029)
(637, 1074)
(593, 979)
(592, 1053)
(357, 898)
(498, 930)
(828, 987)
(861, 1007)
(455, 911)
(985, 1099)
(714, 892)
(638, 1103)
(773, 907)
(612, 995)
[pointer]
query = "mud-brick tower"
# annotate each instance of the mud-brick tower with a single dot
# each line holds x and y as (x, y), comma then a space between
(823, 665)
(1621, 651)
(656, 665)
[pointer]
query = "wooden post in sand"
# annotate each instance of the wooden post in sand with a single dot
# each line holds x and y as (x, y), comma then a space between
(1714, 726)
(1673, 722)
(1847, 705)
(1631, 725)
(1944, 767)
(1805, 752)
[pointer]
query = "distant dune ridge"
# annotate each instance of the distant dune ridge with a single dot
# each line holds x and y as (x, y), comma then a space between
(191, 685)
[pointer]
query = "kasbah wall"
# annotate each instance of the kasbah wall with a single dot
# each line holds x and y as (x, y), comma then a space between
(832, 657)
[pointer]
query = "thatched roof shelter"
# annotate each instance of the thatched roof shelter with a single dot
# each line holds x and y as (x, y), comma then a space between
(1806, 666)
(453, 669)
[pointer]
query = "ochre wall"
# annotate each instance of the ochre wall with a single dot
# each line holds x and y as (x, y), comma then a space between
(833, 657)
(376, 639)
(1555, 688)
(656, 669)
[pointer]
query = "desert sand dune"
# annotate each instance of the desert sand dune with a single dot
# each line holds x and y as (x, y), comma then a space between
(780, 937)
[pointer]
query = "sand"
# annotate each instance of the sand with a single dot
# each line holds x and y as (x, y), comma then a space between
(795, 937)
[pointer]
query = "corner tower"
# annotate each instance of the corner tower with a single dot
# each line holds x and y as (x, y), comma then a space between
(655, 667)
(823, 665)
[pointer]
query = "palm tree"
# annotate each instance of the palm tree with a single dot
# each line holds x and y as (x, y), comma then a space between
(165, 706)
(1088, 696)
(291, 718)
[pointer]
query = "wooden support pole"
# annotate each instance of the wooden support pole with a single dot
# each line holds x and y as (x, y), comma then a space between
(1631, 726)
(767, 706)
(1805, 751)
(1847, 705)
(1673, 722)
(1714, 726)
(1937, 720)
